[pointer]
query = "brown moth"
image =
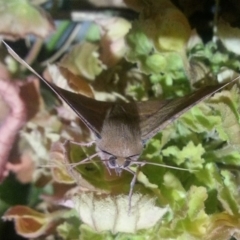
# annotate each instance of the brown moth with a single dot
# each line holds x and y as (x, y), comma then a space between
(122, 129)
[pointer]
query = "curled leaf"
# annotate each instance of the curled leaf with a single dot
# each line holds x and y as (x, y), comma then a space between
(65, 79)
(12, 119)
(28, 222)
(58, 169)
(77, 83)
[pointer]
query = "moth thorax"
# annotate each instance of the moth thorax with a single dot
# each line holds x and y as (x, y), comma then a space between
(120, 147)
(120, 140)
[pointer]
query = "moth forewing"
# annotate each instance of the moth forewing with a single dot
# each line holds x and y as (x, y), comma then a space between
(156, 115)
(90, 111)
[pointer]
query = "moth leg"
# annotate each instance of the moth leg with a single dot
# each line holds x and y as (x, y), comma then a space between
(108, 169)
(132, 184)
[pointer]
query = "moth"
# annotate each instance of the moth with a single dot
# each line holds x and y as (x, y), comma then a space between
(122, 129)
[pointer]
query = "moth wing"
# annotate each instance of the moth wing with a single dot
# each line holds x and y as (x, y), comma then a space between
(156, 115)
(152, 116)
(90, 111)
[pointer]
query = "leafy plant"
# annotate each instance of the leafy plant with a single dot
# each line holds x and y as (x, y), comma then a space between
(154, 56)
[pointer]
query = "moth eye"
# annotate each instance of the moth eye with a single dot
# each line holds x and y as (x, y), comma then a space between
(127, 162)
(112, 161)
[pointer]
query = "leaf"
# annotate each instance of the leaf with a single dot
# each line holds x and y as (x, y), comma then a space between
(83, 60)
(190, 219)
(200, 119)
(228, 155)
(190, 155)
(24, 170)
(155, 63)
(228, 193)
(165, 68)
(110, 213)
(226, 103)
(69, 231)
(20, 17)
(87, 233)
(58, 169)
(113, 47)
(173, 191)
(230, 36)
(12, 119)
(230, 129)
(222, 226)
(65, 79)
(225, 185)
(77, 83)
(138, 42)
(36, 138)
(22, 161)
(209, 176)
(165, 25)
(28, 222)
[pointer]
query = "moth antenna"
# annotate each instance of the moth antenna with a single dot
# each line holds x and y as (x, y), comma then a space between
(142, 163)
(51, 163)
(14, 55)
(45, 166)
(66, 164)
(87, 160)
(84, 144)
(66, 155)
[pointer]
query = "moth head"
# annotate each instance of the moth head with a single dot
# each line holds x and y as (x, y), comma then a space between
(121, 162)
(118, 163)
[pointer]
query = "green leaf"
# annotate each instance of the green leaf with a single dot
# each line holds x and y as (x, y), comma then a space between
(228, 193)
(200, 119)
(190, 155)
(20, 18)
(69, 231)
(83, 60)
(189, 219)
(139, 44)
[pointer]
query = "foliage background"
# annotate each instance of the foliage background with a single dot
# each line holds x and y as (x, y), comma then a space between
(147, 50)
